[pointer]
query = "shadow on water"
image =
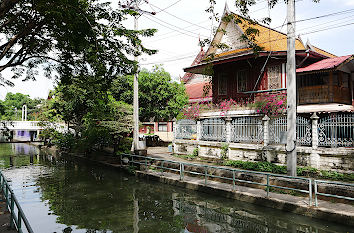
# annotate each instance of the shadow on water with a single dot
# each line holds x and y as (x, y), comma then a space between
(64, 195)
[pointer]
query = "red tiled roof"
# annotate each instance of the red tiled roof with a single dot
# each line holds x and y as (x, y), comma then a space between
(197, 60)
(195, 91)
(325, 64)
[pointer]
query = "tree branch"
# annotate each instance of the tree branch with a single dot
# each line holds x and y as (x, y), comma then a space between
(6, 5)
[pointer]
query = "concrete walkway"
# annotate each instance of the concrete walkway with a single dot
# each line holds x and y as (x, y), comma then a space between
(337, 212)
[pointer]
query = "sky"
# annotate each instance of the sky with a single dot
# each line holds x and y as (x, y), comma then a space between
(180, 24)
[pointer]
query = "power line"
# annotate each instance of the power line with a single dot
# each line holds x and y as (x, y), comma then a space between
(321, 16)
(170, 60)
(180, 29)
(163, 10)
(171, 32)
(327, 15)
(325, 29)
(169, 6)
(314, 26)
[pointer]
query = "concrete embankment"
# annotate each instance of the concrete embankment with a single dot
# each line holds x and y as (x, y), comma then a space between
(336, 212)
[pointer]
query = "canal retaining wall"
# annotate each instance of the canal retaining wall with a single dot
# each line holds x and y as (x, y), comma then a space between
(335, 159)
(335, 212)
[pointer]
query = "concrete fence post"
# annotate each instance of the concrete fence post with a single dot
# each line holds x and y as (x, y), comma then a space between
(314, 119)
(314, 156)
(265, 120)
(228, 129)
(174, 129)
(199, 130)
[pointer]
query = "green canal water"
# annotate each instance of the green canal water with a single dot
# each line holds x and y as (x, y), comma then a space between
(66, 195)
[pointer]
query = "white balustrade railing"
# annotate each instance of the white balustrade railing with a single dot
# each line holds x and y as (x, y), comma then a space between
(31, 125)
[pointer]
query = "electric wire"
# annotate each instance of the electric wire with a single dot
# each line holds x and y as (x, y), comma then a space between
(157, 38)
(175, 27)
(301, 29)
(169, 60)
(163, 10)
(169, 6)
(325, 29)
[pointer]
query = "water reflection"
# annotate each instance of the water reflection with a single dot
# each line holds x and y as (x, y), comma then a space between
(63, 195)
(17, 155)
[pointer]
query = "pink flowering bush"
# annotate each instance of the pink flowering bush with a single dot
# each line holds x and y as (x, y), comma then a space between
(271, 104)
(193, 111)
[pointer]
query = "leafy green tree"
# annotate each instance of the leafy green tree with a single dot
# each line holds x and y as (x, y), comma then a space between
(159, 97)
(2, 108)
(47, 112)
(13, 106)
(66, 36)
(91, 111)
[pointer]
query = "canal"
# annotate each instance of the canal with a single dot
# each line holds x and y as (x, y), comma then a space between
(67, 195)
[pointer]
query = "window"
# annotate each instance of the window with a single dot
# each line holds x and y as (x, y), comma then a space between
(242, 81)
(274, 77)
(162, 127)
(222, 84)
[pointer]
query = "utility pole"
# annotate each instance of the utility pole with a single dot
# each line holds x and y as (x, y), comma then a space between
(134, 5)
(291, 91)
(136, 96)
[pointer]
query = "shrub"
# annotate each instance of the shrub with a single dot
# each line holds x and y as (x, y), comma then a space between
(301, 171)
(271, 104)
(125, 145)
(195, 152)
(65, 142)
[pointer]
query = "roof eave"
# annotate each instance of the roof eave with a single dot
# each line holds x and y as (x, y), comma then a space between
(201, 68)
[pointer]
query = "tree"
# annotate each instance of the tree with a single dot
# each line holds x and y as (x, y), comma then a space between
(2, 108)
(159, 97)
(66, 36)
(13, 106)
(96, 117)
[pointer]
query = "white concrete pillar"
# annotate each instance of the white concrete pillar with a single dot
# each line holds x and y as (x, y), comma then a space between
(314, 119)
(265, 120)
(174, 134)
(314, 156)
(228, 129)
(199, 130)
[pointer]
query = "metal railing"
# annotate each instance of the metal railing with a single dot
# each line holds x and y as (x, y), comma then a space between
(317, 193)
(336, 130)
(213, 129)
(247, 129)
(12, 204)
(180, 168)
(186, 129)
